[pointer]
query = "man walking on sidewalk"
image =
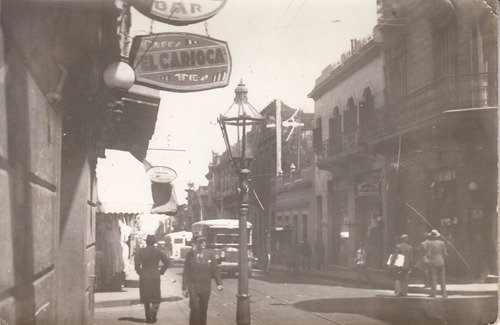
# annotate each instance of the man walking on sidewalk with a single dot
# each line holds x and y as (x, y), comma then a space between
(436, 250)
(402, 273)
(147, 262)
(305, 255)
(199, 268)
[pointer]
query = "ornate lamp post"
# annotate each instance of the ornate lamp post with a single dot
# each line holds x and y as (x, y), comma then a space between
(240, 127)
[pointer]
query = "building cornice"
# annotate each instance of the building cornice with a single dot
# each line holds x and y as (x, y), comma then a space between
(366, 54)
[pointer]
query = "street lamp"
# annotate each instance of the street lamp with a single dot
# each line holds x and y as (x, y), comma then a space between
(240, 127)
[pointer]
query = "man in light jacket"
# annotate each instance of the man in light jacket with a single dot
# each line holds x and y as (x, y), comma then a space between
(436, 251)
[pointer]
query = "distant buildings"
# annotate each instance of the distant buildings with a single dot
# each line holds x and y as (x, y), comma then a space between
(404, 139)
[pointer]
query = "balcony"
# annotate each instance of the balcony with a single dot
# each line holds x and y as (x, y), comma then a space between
(456, 92)
(298, 177)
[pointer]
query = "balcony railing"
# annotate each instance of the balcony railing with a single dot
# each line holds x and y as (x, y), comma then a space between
(340, 143)
(455, 92)
(296, 177)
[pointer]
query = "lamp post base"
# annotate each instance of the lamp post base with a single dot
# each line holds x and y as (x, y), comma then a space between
(243, 309)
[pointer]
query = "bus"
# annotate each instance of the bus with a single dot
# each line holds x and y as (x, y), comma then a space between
(223, 238)
(177, 244)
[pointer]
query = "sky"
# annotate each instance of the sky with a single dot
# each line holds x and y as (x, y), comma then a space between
(278, 48)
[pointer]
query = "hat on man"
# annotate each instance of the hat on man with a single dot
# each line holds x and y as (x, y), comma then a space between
(434, 233)
(150, 239)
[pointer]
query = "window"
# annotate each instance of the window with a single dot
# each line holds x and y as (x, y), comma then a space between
(350, 117)
(318, 136)
(335, 131)
(296, 229)
(446, 50)
(304, 228)
(395, 72)
(366, 111)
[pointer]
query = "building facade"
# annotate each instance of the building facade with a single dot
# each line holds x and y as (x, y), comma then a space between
(296, 151)
(282, 179)
(406, 136)
(221, 191)
(438, 129)
(56, 118)
(349, 175)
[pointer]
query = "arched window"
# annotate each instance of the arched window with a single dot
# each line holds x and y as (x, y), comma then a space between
(335, 130)
(350, 117)
(366, 111)
(368, 99)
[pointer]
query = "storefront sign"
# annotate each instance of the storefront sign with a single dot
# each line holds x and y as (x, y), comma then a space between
(179, 12)
(368, 189)
(180, 61)
(161, 174)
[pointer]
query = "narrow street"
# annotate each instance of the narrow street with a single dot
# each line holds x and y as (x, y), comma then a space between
(282, 298)
(273, 301)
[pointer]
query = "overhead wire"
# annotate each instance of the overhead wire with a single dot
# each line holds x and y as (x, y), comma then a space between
(257, 59)
(282, 15)
(288, 25)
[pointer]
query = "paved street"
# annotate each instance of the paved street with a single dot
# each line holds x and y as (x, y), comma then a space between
(292, 299)
(272, 302)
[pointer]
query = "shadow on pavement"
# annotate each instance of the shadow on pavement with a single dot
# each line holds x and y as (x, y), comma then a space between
(412, 310)
(128, 302)
(132, 319)
(293, 278)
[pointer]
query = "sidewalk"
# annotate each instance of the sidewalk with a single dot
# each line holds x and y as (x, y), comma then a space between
(124, 307)
(466, 304)
(383, 280)
(472, 303)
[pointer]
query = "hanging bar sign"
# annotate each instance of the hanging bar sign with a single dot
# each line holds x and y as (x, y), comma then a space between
(180, 61)
(179, 12)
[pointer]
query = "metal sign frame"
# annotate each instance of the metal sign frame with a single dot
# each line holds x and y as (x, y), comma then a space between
(181, 62)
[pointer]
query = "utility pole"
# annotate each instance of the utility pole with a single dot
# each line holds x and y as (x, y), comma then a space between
(279, 171)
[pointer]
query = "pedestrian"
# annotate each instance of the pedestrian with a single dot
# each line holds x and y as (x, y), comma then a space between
(402, 272)
(293, 258)
(363, 278)
(305, 255)
(200, 266)
(436, 251)
(147, 261)
(320, 254)
(422, 260)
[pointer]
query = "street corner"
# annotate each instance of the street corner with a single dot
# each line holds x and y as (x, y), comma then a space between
(418, 309)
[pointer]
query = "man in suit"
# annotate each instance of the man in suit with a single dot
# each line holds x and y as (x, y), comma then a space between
(200, 266)
(436, 251)
(146, 263)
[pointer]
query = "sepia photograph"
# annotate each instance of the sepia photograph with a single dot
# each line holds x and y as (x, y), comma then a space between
(266, 162)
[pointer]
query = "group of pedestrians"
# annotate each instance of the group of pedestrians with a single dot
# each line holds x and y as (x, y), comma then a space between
(200, 267)
(429, 258)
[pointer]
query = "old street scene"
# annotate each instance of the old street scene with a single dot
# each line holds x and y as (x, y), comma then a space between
(249, 162)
